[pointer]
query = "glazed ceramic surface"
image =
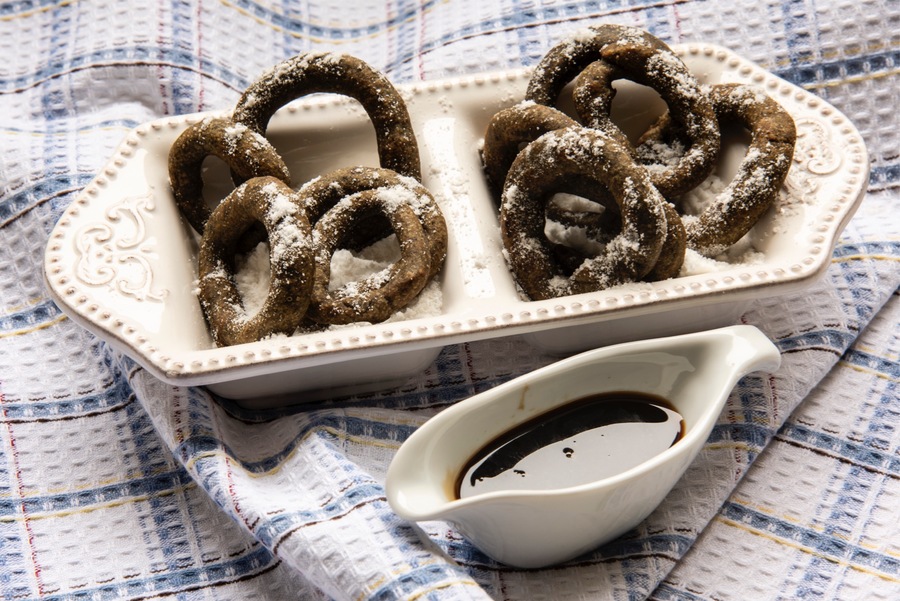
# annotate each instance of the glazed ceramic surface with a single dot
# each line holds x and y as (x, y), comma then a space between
(121, 262)
(535, 528)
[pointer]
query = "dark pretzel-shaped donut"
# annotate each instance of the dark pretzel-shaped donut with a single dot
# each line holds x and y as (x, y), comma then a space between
(338, 74)
(382, 294)
(759, 176)
(602, 227)
(247, 153)
(671, 257)
(512, 128)
(580, 231)
(321, 194)
(509, 130)
(543, 168)
(507, 133)
(622, 51)
(269, 201)
(593, 95)
(562, 63)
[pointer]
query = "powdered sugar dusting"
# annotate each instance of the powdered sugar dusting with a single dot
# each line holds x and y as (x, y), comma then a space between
(371, 265)
(252, 276)
(287, 238)
(703, 196)
(666, 65)
(349, 270)
(659, 157)
(738, 255)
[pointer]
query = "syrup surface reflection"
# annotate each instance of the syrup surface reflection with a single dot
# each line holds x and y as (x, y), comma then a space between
(583, 441)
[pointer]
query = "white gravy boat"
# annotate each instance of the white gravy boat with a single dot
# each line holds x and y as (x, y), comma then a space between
(535, 528)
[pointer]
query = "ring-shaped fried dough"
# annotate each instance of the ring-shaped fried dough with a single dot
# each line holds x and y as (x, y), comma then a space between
(323, 193)
(325, 72)
(269, 201)
(644, 58)
(562, 63)
(247, 153)
(671, 256)
(602, 227)
(382, 294)
(688, 106)
(509, 130)
(540, 170)
(577, 230)
(507, 133)
(760, 174)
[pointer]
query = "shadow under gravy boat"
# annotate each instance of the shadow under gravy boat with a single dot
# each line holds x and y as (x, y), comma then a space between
(534, 528)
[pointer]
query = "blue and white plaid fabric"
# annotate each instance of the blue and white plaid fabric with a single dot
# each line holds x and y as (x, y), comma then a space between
(116, 486)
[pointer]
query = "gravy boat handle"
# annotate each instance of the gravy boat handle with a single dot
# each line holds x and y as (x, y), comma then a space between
(753, 350)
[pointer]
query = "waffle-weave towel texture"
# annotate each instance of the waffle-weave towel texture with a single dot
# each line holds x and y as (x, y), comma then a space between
(114, 485)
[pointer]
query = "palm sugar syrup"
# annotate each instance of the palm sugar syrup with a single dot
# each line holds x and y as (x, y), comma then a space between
(583, 441)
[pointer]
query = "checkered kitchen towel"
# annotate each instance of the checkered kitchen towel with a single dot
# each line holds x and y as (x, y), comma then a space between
(115, 486)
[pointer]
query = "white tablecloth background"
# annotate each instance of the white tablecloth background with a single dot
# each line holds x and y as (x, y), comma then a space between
(116, 486)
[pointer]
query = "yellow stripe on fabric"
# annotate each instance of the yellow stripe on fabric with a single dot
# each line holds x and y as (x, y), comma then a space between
(32, 491)
(873, 350)
(360, 440)
(23, 305)
(443, 585)
(870, 372)
(736, 445)
(95, 506)
(851, 79)
(804, 549)
(40, 326)
(868, 50)
(50, 491)
(848, 258)
(37, 11)
(787, 518)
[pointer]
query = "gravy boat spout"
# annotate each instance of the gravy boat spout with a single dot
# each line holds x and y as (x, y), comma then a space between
(535, 527)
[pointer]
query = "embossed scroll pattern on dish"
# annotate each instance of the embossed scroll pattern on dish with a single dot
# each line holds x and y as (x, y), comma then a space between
(118, 264)
(116, 252)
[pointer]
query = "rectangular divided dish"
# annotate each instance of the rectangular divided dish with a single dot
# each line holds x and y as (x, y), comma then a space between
(121, 262)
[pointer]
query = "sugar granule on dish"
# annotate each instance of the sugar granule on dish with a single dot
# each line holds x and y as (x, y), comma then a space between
(372, 264)
(253, 274)
(741, 254)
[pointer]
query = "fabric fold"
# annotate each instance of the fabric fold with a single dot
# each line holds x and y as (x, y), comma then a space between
(307, 481)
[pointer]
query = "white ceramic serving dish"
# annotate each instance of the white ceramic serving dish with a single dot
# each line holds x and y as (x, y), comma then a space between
(535, 528)
(121, 262)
